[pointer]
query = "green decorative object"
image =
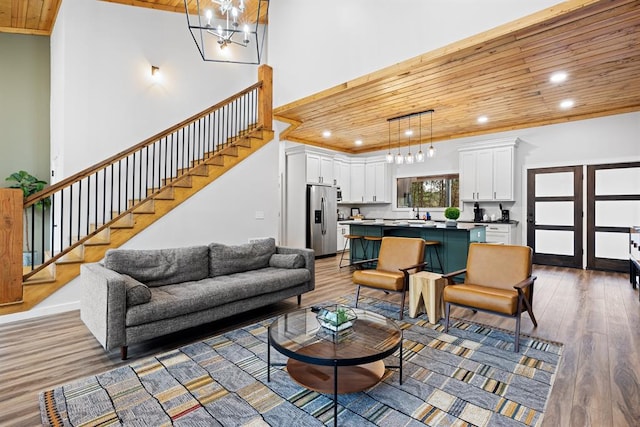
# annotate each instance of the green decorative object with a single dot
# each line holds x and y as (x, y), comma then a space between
(29, 185)
(452, 213)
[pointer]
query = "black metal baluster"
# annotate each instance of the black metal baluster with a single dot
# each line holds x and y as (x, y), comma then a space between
(79, 205)
(88, 203)
(104, 196)
(95, 207)
(54, 221)
(112, 195)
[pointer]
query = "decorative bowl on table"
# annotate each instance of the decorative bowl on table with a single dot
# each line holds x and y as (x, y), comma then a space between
(336, 318)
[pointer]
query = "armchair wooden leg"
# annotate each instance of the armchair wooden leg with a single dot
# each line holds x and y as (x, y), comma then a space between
(446, 316)
(357, 294)
(299, 299)
(517, 344)
(123, 352)
(530, 311)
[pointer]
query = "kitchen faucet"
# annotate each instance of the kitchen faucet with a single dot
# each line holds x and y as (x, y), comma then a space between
(417, 213)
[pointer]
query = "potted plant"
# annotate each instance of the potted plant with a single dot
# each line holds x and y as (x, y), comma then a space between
(452, 213)
(29, 185)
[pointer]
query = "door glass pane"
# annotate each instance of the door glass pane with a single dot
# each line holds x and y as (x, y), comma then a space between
(617, 181)
(554, 184)
(617, 213)
(554, 213)
(554, 242)
(612, 245)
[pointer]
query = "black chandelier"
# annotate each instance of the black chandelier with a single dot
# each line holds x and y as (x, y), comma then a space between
(410, 158)
(228, 30)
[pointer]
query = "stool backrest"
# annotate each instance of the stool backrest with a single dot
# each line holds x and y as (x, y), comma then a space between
(400, 252)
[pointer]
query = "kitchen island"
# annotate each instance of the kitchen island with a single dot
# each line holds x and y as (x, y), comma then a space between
(454, 241)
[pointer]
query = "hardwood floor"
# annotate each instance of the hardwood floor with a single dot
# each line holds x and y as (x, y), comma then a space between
(595, 314)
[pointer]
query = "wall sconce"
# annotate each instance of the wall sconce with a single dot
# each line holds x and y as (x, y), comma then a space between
(155, 72)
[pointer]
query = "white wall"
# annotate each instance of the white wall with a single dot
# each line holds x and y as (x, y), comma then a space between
(315, 45)
(103, 99)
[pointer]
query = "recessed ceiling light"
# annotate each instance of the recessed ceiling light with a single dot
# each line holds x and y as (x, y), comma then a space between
(408, 132)
(483, 119)
(326, 134)
(558, 77)
(567, 103)
(358, 142)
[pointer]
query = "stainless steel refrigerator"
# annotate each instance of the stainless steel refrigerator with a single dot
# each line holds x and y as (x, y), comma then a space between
(322, 219)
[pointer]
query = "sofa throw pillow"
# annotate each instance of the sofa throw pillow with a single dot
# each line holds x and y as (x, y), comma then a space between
(286, 261)
(158, 267)
(137, 293)
(224, 259)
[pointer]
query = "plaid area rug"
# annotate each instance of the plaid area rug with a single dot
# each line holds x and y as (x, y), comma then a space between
(468, 377)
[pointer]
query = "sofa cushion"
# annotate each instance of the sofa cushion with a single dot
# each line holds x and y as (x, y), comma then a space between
(286, 261)
(176, 300)
(137, 293)
(158, 267)
(224, 259)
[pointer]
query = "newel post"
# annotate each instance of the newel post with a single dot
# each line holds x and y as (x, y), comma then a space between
(11, 208)
(265, 96)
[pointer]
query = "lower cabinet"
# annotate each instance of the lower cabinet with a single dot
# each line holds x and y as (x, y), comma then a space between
(500, 233)
(341, 240)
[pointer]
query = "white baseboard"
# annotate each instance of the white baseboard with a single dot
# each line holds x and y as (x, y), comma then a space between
(39, 312)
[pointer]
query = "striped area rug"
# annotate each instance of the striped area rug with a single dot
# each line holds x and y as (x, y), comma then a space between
(468, 377)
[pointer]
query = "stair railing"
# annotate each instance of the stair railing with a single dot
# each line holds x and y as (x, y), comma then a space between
(82, 205)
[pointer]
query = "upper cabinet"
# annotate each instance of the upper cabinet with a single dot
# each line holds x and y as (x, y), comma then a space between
(357, 175)
(486, 171)
(342, 176)
(361, 180)
(376, 181)
(319, 169)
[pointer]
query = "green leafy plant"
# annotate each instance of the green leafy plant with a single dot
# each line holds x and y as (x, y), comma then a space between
(452, 213)
(29, 185)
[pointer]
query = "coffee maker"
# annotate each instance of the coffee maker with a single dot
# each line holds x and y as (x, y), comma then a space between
(505, 214)
(477, 212)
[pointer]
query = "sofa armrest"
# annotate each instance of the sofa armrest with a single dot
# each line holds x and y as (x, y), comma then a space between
(309, 260)
(103, 304)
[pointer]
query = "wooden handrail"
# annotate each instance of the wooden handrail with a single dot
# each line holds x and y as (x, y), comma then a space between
(35, 198)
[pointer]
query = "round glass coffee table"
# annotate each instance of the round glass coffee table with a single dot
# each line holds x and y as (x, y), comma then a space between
(335, 362)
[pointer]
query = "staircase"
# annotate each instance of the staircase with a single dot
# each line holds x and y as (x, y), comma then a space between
(190, 174)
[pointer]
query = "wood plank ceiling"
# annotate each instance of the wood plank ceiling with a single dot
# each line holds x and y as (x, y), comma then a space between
(38, 16)
(502, 74)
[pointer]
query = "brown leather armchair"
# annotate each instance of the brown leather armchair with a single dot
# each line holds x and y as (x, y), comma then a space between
(497, 280)
(397, 256)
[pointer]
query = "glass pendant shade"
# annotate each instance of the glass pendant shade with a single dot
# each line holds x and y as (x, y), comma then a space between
(432, 151)
(399, 159)
(390, 158)
(409, 159)
(420, 157)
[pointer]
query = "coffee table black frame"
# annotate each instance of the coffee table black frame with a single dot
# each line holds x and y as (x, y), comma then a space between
(290, 334)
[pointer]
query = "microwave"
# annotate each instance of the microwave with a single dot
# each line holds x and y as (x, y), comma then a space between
(338, 194)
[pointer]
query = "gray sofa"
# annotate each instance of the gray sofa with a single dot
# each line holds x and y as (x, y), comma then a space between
(135, 295)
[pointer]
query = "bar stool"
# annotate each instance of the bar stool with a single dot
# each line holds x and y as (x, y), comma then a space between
(375, 245)
(351, 239)
(432, 246)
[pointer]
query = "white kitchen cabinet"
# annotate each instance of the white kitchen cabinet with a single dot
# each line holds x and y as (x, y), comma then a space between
(486, 172)
(376, 182)
(357, 175)
(343, 230)
(500, 233)
(342, 176)
(319, 169)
